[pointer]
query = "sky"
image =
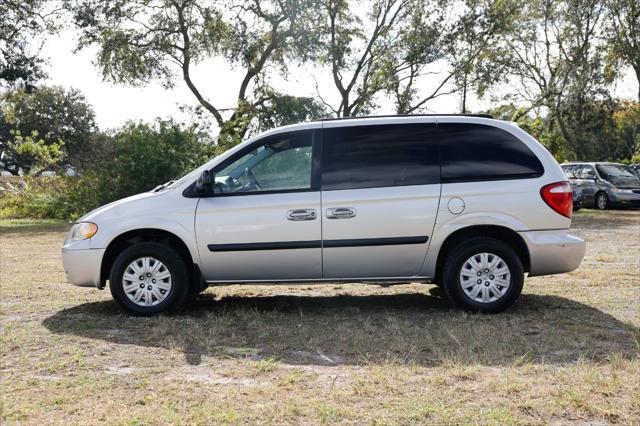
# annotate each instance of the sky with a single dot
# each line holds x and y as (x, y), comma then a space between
(115, 104)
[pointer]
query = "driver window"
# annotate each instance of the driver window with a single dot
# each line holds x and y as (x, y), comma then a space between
(570, 171)
(587, 173)
(282, 163)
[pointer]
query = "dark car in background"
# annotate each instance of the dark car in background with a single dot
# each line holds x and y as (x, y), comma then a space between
(575, 189)
(577, 197)
(604, 185)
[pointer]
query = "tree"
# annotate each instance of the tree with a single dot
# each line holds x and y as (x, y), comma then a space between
(22, 22)
(35, 154)
(418, 45)
(140, 41)
(555, 63)
(623, 38)
(534, 125)
(473, 46)
(353, 48)
(626, 117)
(46, 118)
(283, 110)
(143, 156)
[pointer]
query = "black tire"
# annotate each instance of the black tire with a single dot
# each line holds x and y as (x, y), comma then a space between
(602, 201)
(173, 262)
(465, 250)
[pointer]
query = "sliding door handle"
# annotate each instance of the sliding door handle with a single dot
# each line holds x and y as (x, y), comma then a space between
(341, 213)
(301, 214)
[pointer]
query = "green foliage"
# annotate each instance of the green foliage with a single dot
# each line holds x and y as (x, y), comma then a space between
(623, 37)
(535, 126)
(47, 126)
(41, 155)
(141, 156)
(605, 131)
(36, 198)
(140, 41)
(627, 130)
(22, 21)
(283, 110)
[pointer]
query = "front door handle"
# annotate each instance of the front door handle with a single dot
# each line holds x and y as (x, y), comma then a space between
(341, 213)
(302, 214)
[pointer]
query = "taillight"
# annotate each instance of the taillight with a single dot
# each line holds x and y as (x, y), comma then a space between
(559, 197)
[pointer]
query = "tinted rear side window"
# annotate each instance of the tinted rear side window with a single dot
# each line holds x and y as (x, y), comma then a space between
(475, 152)
(379, 156)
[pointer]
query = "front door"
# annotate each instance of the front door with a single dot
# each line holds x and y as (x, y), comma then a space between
(587, 181)
(263, 221)
(380, 194)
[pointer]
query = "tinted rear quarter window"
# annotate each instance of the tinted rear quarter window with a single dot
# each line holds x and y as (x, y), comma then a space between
(476, 152)
(379, 156)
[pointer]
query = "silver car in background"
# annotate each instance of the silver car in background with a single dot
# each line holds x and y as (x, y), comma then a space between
(604, 185)
(469, 203)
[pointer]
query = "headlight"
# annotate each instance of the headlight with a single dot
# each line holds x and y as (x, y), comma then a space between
(83, 231)
(622, 191)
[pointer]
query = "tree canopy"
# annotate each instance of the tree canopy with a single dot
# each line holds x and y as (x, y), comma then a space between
(46, 127)
(140, 41)
(553, 60)
(21, 23)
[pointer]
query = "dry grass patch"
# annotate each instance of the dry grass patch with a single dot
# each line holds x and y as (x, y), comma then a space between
(566, 352)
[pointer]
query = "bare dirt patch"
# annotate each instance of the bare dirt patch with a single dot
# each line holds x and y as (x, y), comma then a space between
(566, 352)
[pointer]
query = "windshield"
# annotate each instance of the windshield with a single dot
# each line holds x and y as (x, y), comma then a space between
(615, 171)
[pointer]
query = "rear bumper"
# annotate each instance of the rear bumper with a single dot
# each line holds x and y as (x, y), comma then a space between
(553, 252)
(83, 266)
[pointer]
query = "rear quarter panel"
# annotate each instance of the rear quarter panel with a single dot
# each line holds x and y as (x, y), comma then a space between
(515, 204)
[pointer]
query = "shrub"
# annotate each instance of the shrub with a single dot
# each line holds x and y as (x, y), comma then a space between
(35, 198)
(141, 156)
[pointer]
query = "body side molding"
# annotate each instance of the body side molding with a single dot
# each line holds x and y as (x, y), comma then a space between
(289, 245)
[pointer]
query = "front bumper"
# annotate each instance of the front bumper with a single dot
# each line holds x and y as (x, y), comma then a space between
(83, 266)
(631, 199)
(553, 252)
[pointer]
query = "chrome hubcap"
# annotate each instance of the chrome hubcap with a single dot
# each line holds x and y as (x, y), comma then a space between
(146, 281)
(485, 277)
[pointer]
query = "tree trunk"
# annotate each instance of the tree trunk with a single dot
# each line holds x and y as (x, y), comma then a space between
(577, 155)
(464, 95)
(346, 111)
(637, 70)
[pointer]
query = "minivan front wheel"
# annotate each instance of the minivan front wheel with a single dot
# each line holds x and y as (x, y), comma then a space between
(148, 278)
(483, 275)
(602, 201)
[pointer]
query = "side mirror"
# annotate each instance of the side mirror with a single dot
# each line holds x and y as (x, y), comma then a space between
(204, 184)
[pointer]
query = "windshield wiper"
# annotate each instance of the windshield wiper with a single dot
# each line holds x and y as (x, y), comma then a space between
(162, 186)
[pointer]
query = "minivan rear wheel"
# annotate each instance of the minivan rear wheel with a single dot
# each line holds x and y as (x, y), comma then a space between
(148, 278)
(483, 275)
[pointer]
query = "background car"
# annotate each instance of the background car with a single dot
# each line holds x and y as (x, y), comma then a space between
(635, 168)
(604, 185)
(577, 198)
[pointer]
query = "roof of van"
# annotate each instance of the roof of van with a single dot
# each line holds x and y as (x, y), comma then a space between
(571, 163)
(409, 115)
(384, 119)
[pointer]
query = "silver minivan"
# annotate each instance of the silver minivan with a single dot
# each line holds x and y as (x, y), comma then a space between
(604, 185)
(468, 203)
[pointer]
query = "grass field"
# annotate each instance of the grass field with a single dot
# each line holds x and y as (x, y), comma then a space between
(568, 351)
